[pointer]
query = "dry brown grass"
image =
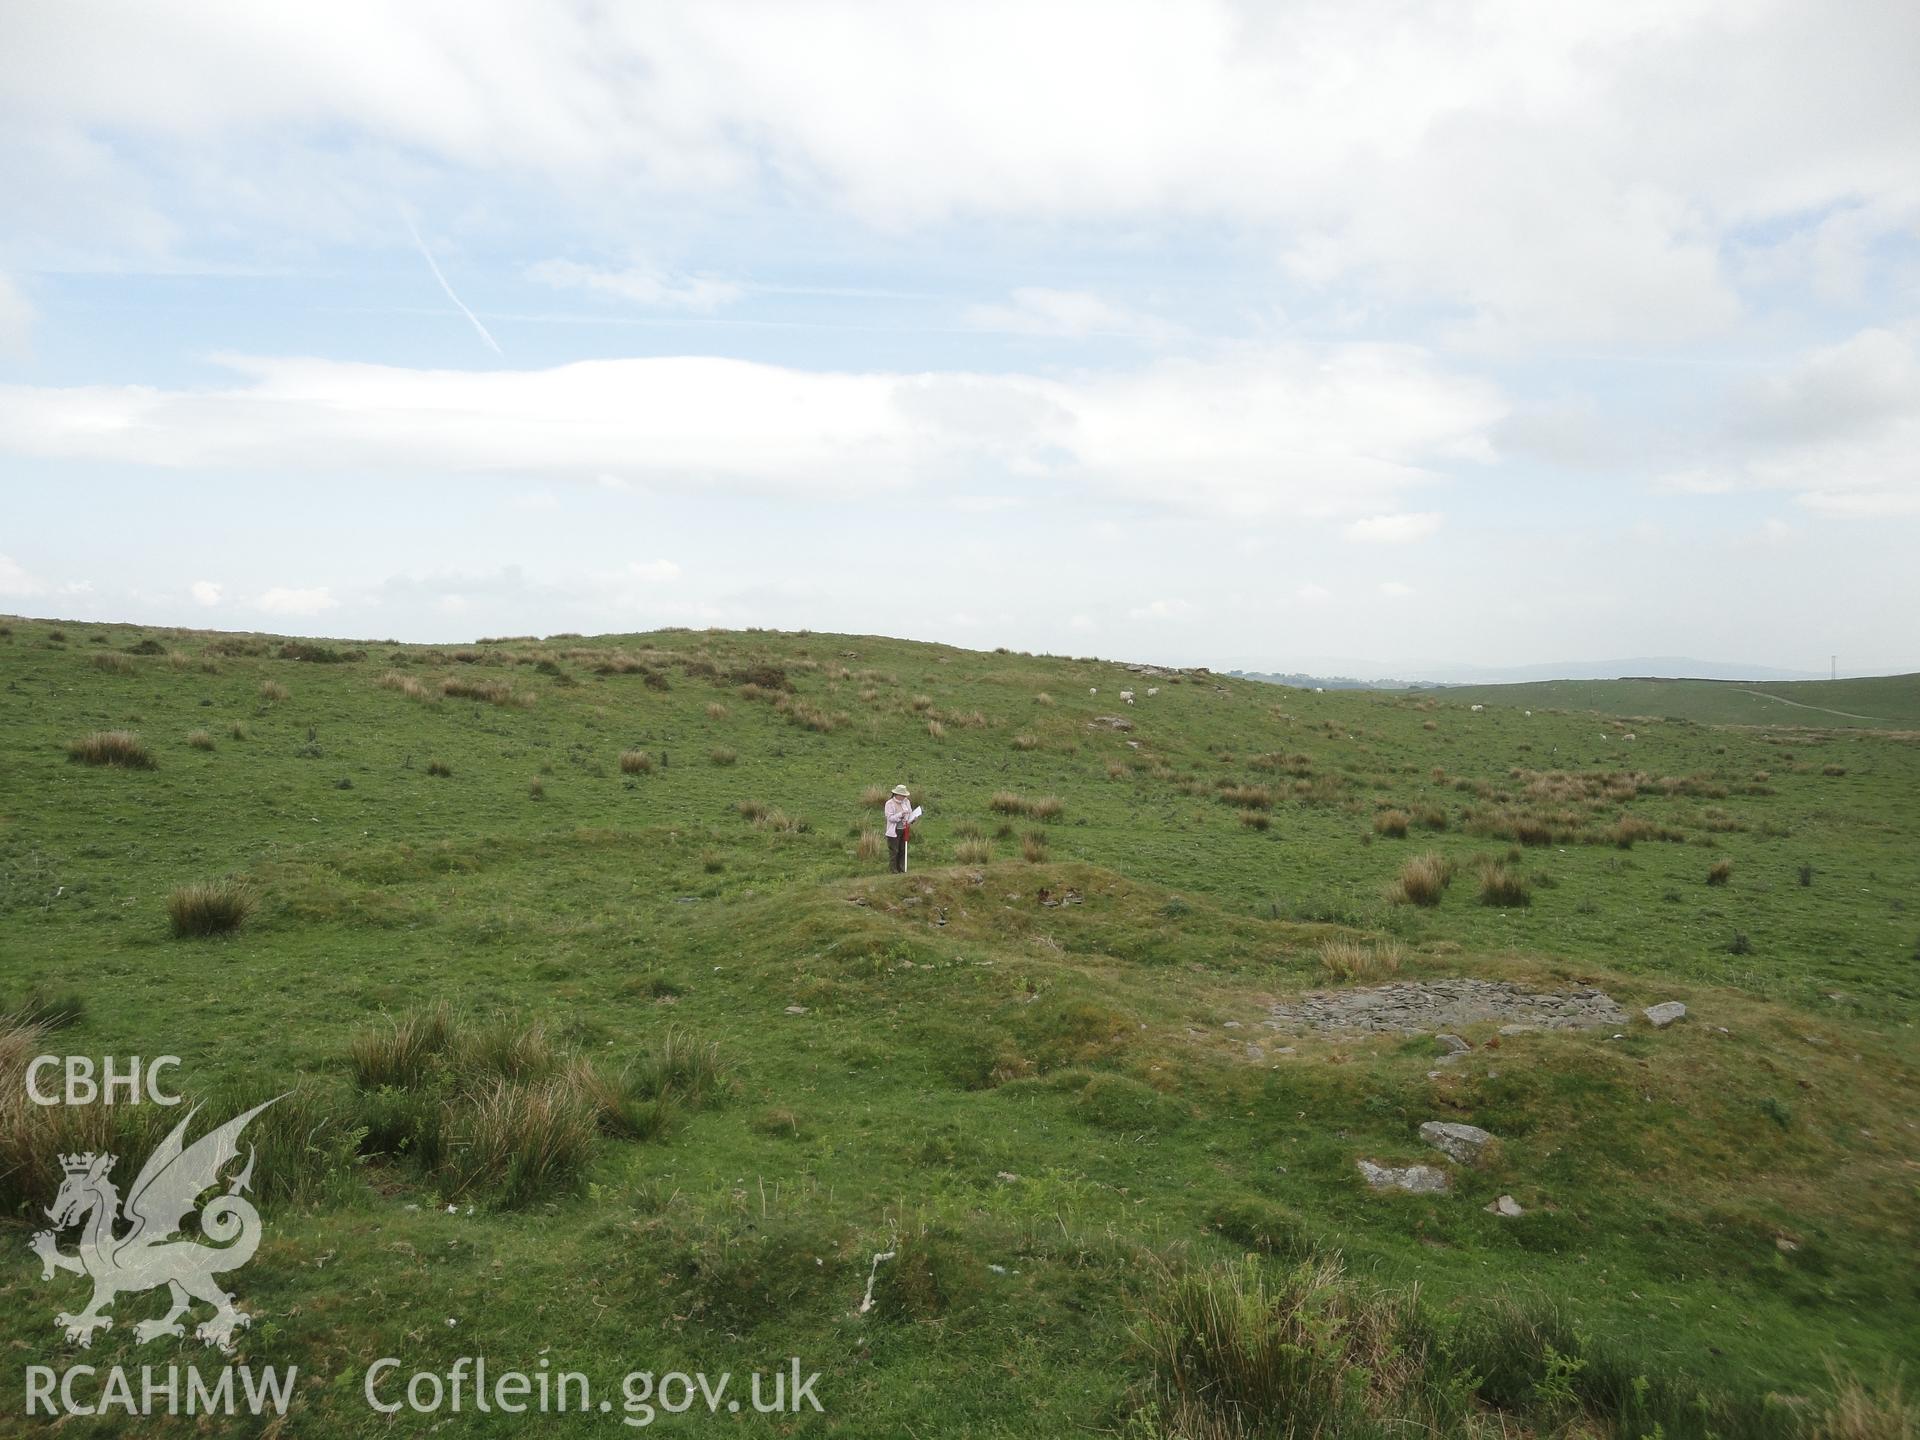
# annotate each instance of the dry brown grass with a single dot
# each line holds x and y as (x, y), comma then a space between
(636, 762)
(1118, 771)
(1392, 823)
(873, 797)
(1355, 960)
(872, 847)
(973, 852)
(199, 740)
(1026, 742)
(752, 811)
(1033, 847)
(936, 730)
(922, 702)
(722, 755)
(439, 769)
(237, 729)
(1423, 880)
(1720, 872)
(113, 664)
(406, 685)
(1502, 886)
(716, 711)
(274, 693)
(120, 748)
(1246, 797)
(1043, 698)
(1256, 819)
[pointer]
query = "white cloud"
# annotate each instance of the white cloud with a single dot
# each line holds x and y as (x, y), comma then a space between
(1837, 429)
(653, 572)
(1068, 314)
(15, 580)
(1160, 610)
(535, 500)
(1393, 529)
(1544, 170)
(1395, 589)
(1081, 623)
(641, 283)
(281, 600)
(16, 319)
(1279, 431)
(204, 592)
(1314, 594)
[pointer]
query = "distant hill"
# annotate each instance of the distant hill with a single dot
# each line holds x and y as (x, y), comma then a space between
(1327, 682)
(1886, 702)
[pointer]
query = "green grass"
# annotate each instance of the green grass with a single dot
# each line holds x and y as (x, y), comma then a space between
(1887, 702)
(693, 1060)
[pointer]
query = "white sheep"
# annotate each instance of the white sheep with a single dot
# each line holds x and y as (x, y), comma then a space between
(1527, 713)
(1153, 689)
(1127, 695)
(1093, 690)
(1476, 708)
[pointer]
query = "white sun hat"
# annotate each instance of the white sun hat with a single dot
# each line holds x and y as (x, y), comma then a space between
(901, 790)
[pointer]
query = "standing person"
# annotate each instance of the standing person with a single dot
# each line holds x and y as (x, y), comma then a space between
(899, 808)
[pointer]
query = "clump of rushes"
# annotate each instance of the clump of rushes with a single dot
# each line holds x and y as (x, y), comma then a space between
(1392, 823)
(721, 755)
(1026, 742)
(439, 768)
(536, 789)
(973, 852)
(752, 811)
(216, 907)
(936, 730)
(635, 762)
(1033, 847)
(873, 797)
(871, 847)
(716, 711)
(120, 748)
(273, 692)
(1720, 872)
(199, 740)
(1256, 819)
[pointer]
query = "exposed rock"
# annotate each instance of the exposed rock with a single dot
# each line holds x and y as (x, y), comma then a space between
(1459, 1142)
(1506, 1205)
(1418, 1179)
(1453, 1044)
(1256, 1053)
(1444, 1006)
(1664, 1014)
(796, 1009)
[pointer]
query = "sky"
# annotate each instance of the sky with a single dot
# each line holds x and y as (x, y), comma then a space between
(1357, 333)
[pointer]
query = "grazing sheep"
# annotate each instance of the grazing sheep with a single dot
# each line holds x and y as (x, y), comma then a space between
(1476, 708)
(1127, 695)
(1153, 689)
(1627, 736)
(1527, 713)
(1093, 690)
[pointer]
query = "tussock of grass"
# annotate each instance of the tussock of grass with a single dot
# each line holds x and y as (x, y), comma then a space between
(1392, 823)
(517, 1143)
(199, 740)
(636, 762)
(1423, 880)
(973, 852)
(1033, 847)
(120, 748)
(1720, 872)
(237, 730)
(872, 846)
(440, 769)
(274, 693)
(752, 811)
(936, 730)
(493, 692)
(1246, 797)
(1026, 742)
(1008, 802)
(406, 685)
(716, 711)
(1502, 886)
(722, 755)
(215, 907)
(1356, 960)
(113, 664)
(397, 1055)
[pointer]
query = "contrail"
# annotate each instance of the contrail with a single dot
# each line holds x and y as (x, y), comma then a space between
(427, 255)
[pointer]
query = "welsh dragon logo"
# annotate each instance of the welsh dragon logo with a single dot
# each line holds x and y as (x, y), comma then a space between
(150, 1252)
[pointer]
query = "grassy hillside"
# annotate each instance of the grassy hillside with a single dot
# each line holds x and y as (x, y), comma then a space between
(1886, 702)
(591, 940)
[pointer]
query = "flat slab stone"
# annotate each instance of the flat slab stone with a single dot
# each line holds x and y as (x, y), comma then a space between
(1459, 1142)
(1506, 1205)
(1664, 1014)
(1444, 1005)
(1417, 1179)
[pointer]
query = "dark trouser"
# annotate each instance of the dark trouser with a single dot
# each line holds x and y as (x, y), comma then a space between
(897, 853)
